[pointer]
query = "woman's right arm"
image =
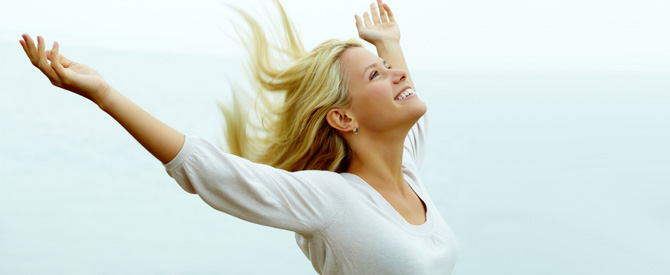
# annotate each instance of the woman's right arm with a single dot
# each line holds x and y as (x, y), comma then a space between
(162, 141)
(301, 202)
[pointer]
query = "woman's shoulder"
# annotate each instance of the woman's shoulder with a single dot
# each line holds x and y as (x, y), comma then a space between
(321, 177)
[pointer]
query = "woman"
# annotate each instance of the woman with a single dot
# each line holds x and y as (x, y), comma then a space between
(339, 161)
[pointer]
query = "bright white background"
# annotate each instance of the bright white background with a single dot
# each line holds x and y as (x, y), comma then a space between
(482, 35)
(548, 149)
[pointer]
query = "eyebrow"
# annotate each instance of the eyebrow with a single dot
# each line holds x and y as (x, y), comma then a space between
(372, 66)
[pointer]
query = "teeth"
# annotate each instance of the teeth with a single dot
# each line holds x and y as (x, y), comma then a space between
(405, 94)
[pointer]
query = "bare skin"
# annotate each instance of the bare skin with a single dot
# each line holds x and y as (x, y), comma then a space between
(162, 141)
(377, 153)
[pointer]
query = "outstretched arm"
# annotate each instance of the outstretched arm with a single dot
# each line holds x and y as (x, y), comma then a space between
(159, 139)
(383, 32)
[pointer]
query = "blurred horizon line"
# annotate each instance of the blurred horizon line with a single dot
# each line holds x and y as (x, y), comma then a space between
(73, 50)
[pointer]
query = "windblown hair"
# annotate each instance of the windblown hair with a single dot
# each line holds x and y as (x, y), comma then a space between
(295, 89)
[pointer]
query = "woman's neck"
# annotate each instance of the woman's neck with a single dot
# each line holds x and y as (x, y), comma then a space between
(378, 160)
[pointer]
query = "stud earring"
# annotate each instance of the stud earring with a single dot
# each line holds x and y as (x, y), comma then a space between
(356, 130)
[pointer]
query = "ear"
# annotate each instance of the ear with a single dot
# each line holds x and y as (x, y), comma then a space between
(340, 120)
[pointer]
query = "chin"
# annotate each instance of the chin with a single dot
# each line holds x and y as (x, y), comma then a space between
(419, 109)
(413, 113)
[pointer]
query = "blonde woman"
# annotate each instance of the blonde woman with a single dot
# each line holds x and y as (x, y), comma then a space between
(338, 159)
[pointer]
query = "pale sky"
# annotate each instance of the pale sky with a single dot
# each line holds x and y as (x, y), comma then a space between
(457, 35)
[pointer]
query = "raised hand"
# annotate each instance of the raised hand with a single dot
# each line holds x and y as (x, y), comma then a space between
(158, 138)
(64, 73)
(381, 28)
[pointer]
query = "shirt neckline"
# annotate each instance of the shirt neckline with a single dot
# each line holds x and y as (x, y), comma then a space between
(421, 229)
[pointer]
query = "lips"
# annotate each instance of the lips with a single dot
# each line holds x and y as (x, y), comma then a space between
(404, 93)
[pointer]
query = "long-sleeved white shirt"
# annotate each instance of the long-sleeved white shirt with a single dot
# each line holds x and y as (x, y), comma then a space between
(342, 224)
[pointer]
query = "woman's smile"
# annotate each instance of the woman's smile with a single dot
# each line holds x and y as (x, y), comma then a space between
(406, 92)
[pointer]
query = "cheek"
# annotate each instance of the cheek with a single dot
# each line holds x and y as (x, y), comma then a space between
(373, 102)
(376, 95)
(379, 91)
(372, 97)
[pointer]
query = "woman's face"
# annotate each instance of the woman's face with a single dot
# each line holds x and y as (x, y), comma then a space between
(379, 94)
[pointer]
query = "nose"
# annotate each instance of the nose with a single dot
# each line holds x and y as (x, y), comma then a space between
(399, 76)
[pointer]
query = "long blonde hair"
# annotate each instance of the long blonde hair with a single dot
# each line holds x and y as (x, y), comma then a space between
(295, 90)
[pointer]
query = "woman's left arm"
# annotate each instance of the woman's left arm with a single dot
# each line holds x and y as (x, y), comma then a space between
(382, 31)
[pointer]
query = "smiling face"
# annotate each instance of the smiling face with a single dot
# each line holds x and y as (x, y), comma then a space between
(381, 97)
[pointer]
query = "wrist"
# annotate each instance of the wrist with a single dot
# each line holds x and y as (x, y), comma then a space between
(388, 46)
(387, 43)
(388, 49)
(105, 98)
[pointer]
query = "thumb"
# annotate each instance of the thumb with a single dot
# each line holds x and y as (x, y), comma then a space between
(360, 27)
(359, 24)
(63, 60)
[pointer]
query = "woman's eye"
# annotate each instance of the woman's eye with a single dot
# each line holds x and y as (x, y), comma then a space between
(374, 74)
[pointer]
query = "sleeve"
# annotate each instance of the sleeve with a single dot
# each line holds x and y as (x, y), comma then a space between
(415, 142)
(302, 201)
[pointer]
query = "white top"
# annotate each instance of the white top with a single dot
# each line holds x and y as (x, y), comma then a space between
(342, 224)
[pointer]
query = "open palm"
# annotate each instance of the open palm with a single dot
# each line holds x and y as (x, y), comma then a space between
(381, 27)
(64, 73)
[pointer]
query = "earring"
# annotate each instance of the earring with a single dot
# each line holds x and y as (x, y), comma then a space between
(356, 130)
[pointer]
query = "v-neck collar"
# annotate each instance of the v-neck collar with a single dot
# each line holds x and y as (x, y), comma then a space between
(421, 229)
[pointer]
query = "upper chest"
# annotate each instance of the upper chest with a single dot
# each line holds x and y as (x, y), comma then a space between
(375, 240)
(407, 204)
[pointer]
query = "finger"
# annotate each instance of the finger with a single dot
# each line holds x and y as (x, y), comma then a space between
(42, 62)
(359, 24)
(366, 17)
(389, 12)
(375, 13)
(61, 58)
(55, 62)
(25, 47)
(41, 56)
(40, 46)
(382, 12)
(31, 50)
